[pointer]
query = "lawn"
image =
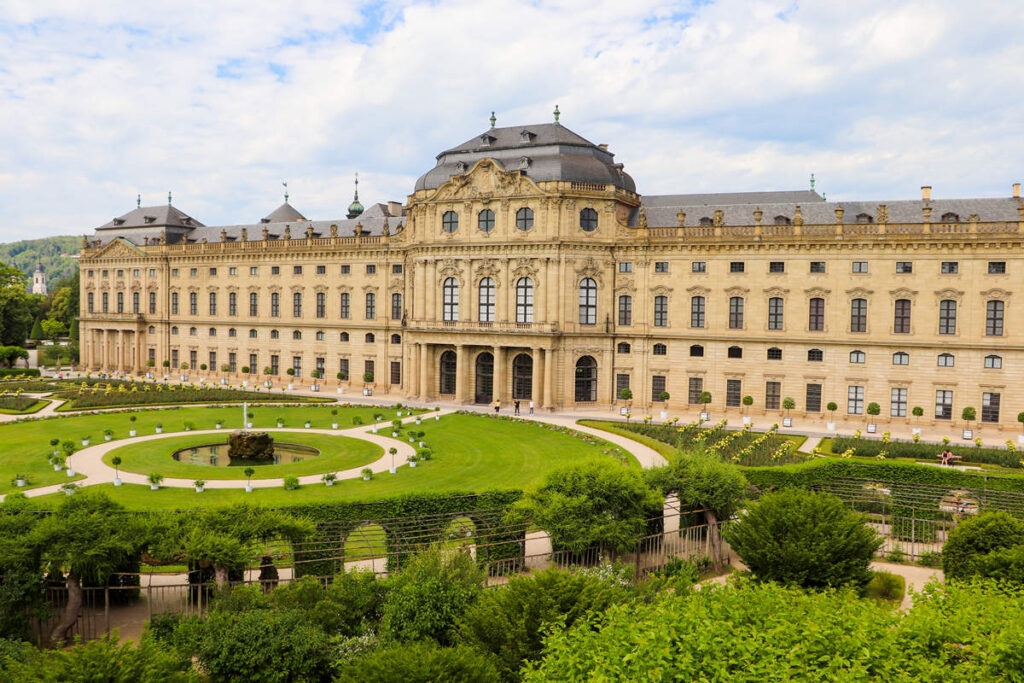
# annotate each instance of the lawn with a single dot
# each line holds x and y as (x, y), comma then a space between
(336, 453)
(27, 444)
(471, 453)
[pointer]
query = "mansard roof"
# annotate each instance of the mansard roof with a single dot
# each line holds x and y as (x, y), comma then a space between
(283, 214)
(152, 217)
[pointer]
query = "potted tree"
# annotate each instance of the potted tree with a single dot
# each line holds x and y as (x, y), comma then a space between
(154, 481)
(291, 483)
(831, 407)
(116, 462)
(54, 442)
(788, 404)
(368, 379)
(248, 472)
(625, 395)
(393, 452)
(19, 480)
(396, 427)
(108, 434)
(968, 415)
(268, 371)
(747, 401)
(873, 410)
(664, 397)
(189, 426)
(200, 485)
(69, 488)
(917, 412)
(280, 422)
(159, 428)
(86, 439)
(334, 418)
(341, 376)
(315, 374)
(184, 370)
(705, 399)
(57, 462)
(245, 371)
(412, 460)
(132, 419)
(367, 473)
(329, 478)
(248, 422)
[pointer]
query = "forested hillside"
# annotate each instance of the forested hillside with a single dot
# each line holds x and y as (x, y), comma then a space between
(24, 256)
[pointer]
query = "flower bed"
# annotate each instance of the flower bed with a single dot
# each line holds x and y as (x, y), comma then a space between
(870, 448)
(138, 393)
(740, 447)
(17, 404)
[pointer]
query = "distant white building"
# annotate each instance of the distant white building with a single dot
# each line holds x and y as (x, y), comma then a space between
(39, 280)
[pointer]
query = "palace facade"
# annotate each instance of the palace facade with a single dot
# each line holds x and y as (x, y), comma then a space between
(525, 265)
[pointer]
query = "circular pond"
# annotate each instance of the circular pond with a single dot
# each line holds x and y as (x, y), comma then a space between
(216, 455)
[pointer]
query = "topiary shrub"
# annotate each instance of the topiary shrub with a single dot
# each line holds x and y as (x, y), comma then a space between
(976, 537)
(804, 538)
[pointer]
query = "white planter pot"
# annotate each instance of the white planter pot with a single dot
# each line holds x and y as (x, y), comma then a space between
(437, 417)
(413, 464)
(423, 444)
(248, 425)
(85, 442)
(411, 440)
(374, 430)
(248, 488)
(746, 420)
(968, 434)
(107, 438)
(280, 425)
(200, 489)
(663, 415)
(419, 421)
(705, 416)
(70, 471)
(117, 481)
(872, 428)
(307, 425)
(787, 422)
(329, 483)
(290, 386)
(393, 470)
(188, 429)
(132, 432)
(366, 478)
(315, 387)
(1020, 438)
(915, 430)
(245, 383)
(69, 492)
(341, 390)
(154, 487)
(334, 425)
(159, 430)
(830, 426)
(398, 414)
(394, 434)
(58, 468)
(223, 381)
(20, 482)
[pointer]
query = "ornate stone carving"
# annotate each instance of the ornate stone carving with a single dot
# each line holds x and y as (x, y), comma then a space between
(882, 215)
(996, 293)
(859, 292)
(949, 293)
(817, 292)
(589, 267)
(903, 293)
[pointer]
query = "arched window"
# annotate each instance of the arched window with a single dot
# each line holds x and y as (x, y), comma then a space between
(661, 311)
(901, 358)
(994, 311)
(296, 334)
(213, 331)
(865, 218)
(993, 362)
(252, 334)
(816, 314)
(174, 330)
(697, 311)
(858, 315)
(193, 331)
(947, 316)
(274, 334)
(815, 355)
(588, 219)
(735, 352)
(696, 351)
(446, 381)
(660, 350)
(524, 218)
(736, 313)
(946, 360)
(450, 299)
(782, 220)
(232, 332)
(522, 376)
(901, 316)
(950, 217)
(486, 300)
(706, 221)
(370, 338)
(396, 339)
(774, 353)
(588, 301)
(344, 336)
(152, 329)
(524, 300)
(485, 220)
(623, 347)
(586, 380)
(450, 221)
(775, 311)
(857, 356)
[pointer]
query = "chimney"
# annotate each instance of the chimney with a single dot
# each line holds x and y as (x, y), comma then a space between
(1016, 190)
(395, 208)
(926, 193)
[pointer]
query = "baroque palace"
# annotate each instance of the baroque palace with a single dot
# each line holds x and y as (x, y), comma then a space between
(525, 265)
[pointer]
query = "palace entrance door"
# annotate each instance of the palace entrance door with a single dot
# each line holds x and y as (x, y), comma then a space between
(484, 378)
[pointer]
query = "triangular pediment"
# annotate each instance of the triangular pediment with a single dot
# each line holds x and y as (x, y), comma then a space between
(487, 179)
(119, 248)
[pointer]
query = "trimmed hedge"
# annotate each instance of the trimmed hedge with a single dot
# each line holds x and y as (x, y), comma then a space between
(869, 448)
(14, 372)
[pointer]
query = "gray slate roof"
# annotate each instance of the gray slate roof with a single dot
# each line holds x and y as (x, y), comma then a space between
(152, 217)
(543, 152)
(285, 213)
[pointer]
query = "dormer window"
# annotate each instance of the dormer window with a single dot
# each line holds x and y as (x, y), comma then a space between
(865, 218)
(524, 163)
(486, 140)
(461, 167)
(186, 220)
(118, 221)
(526, 136)
(782, 220)
(706, 221)
(149, 219)
(950, 217)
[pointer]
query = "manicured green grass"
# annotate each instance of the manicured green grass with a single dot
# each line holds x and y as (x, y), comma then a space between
(336, 453)
(26, 445)
(366, 542)
(471, 453)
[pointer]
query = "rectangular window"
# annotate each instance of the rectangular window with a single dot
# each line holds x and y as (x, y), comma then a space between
(193, 303)
(193, 359)
(232, 271)
(661, 266)
(816, 315)
(135, 303)
(174, 358)
(368, 367)
(396, 372)
(346, 269)
(371, 269)
(657, 387)
(625, 310)
(990, 407)
(994, 318)
(776, 266)
(699, 266)
(343, 367)
(297, 365)
(901, 317)
(860, 266)
(813, 400)
(135, 272)
(772, 395)
(947, 316)
(817, 266)
(275, 364)
(232, 362)
(621, 382)
(275, 270)
(345, 307)
(859, 315)
(152, 356)
(950, 267)
(252, 363)
(661, 311)
(904, 266)
(733, 389)
(736, 313)
(396, 306)
(213, 303)
(105, 297)
(254, 300)
(626, 267)
(696, 386)
(898, 403)
(152, 302)
(775, 310)
(697, 311)
(371, 305)
(321, 304)
(855, 400)
(120, 302)
(943, 405)
(174, 303)
(736, 267)
(321, 270)
(254, 270)
(275, 305)
(296, 270)
(91, 300)
(996, 268)
(213, 361)
(213, 271)
(485, 296)
(396, 269)
(297, 304)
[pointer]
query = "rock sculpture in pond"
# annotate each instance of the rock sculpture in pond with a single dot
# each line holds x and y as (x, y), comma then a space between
(250, 445)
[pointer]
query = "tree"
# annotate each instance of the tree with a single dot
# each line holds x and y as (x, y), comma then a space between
(975, 538)
(16, 307)
(73, 331)
(9, 355)
(105, 660)
(664, 396)
(37, 331)
(593, 503)
(788, 404)
(21, 577)
(917, 411)
(832, 407)
(874, 409)
(626, 394)
(804, 538)
(747, 402)
(1020, 418)
(90, 536)
(52, 329)
(968, 414)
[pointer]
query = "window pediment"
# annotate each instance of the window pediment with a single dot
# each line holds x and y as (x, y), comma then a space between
(661, 290)
(949, 293)
(903, 293)
(996, 293)
(817, 292)
(776, 291)
(697, 290)
(737, 291)
(859, 292)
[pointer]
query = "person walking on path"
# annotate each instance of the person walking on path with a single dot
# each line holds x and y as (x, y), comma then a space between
(497, 406)
(531, 407)
(516, 407)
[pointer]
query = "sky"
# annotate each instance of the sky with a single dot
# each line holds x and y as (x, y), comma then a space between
(220, 102)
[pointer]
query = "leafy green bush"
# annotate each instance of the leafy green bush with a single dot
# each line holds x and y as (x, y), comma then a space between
(419, 663)
(976, 537)
(804, 538)
(885, 586)
(350, 605)
(508, 622)
(104, 660)
(428, 595)
(869, 448)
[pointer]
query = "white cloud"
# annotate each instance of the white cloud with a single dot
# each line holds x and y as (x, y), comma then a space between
(101, 100)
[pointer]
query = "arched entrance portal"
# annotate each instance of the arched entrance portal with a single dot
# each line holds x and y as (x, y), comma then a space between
(484, 378)
(522, 376)
(586, 380)
(446, 381)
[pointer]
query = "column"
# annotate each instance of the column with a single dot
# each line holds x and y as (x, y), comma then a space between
(105, 348)
(461, 373)
(420, 304)
(549, 365)
(499, 373)
(410, 370)
(535, 388)
(121, 355)
(85, 347)
(139, 353)
(431, 291)
(424, 392)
